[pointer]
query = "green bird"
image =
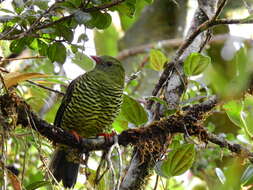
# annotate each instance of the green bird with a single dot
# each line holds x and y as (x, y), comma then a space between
(91, 103)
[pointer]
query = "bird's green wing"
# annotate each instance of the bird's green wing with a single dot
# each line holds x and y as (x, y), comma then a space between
(65, 101)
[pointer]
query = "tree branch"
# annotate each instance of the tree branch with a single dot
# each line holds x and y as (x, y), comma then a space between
(35, 27)
(190, 118)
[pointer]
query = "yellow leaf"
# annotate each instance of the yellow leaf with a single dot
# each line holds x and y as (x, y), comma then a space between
(45, 82)
(14, 78)
(157, 59)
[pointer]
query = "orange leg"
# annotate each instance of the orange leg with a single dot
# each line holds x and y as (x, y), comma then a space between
(76, 135)
(107, 136)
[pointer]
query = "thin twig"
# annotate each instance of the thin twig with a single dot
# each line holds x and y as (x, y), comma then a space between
(219, 9)
(102, 7)
(24, 163)
(46, 88)
(156, 182)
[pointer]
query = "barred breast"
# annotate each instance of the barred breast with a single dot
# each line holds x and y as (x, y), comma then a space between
(93, 106)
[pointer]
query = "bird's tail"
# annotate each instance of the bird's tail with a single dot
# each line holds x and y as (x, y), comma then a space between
(63, 169)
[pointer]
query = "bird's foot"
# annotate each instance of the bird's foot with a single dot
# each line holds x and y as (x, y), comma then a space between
(76, 135)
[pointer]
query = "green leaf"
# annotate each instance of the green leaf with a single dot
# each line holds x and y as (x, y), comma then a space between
(149, 1)
(6, 11)
(157, 99)
(196, 63)
(120, 123)
(65, 32)
(82, 17)
(43, 47)
(220, 175)
(17, 46)
(57, 52)
(157, 60)
(246, 115)
(99, 20)
(83, 61)
(82, 38)
(128, 8)
(234, 110)
(178, 161)
(133, 111)
(105, 20)
(247, 175)
(230, 79)
(37, 185)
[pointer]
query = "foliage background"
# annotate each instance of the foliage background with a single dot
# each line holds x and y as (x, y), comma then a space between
(32, 29)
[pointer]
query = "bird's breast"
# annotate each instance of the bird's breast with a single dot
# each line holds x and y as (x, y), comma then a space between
(92, 108)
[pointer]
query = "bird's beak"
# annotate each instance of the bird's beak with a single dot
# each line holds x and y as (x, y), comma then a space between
(96, 59)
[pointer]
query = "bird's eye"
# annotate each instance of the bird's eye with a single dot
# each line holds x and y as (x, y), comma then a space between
(109, 63)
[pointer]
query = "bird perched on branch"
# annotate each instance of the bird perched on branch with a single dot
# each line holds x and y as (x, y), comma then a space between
(90, 105)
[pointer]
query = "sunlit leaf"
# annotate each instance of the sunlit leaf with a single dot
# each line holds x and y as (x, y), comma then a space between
(157, 59)
(14, 78)
(120, 123)
(133, 111)
(196, 63)
(179, 160)
(234, 110)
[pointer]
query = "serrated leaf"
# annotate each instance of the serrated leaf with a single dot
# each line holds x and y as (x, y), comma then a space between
(196, 63)
(13, 78)
(178, 161)
(37, 184)
(220, 175)
(157, 59)
(133, 111)
(57, 52)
